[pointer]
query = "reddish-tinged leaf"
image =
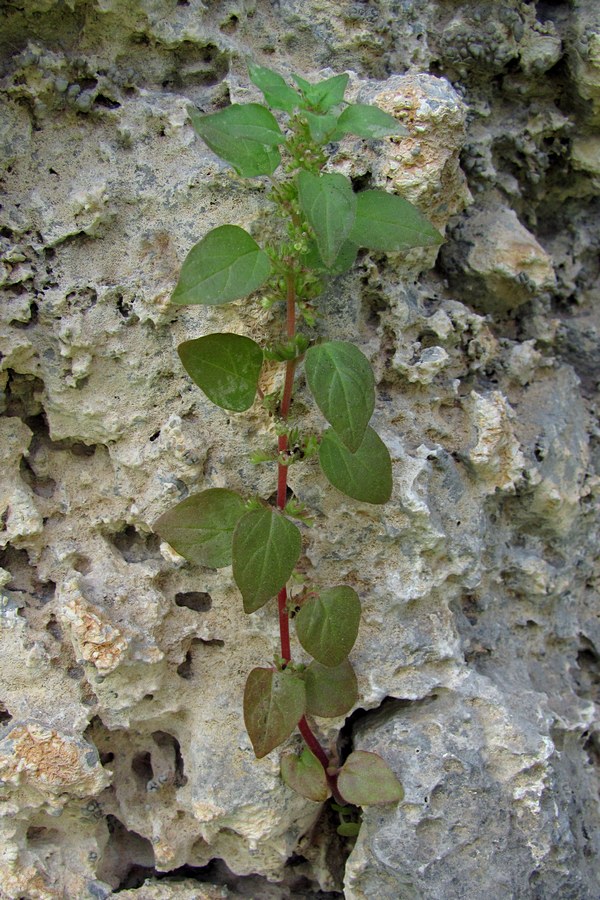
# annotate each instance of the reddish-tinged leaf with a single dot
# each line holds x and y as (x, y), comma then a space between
(330, 692)
(305, 775)
(327, 625)
(366, 780)
(274, 703)
(225, 366)
(227, 264)
(365, 474)
(266, 547)
(201, 526)
(341, 380)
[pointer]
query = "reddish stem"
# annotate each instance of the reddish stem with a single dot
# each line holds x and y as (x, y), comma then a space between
(312, 743)
(282, 444)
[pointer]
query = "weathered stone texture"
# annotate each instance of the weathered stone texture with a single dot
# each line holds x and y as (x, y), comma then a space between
(123, 755)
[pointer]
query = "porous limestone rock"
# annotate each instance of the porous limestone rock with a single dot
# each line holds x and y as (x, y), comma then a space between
(124, 762)
(499, 264)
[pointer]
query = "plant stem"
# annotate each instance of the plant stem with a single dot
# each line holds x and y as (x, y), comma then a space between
(312, 743)
(290, 368)
(284, 620)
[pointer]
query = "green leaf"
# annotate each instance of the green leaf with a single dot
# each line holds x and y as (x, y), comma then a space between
(276, 92)
(266, 547)
(246, 136)
(364, 475)
(388, 222)
(225, 366)
(321, 127)
(201, 526)
(225, 265)
(329, 204)
(341, 380)
(367, 122)
(348, 829)
(366, 780)
(327, 625)
(274, 703)
(343, 262)
(325, 94)
(330, 690)
(305, 775)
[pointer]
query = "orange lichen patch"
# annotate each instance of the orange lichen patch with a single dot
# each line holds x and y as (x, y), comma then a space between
(52, 763)
(96, 640)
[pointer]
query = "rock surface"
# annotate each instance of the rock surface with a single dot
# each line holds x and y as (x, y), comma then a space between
(124, 762)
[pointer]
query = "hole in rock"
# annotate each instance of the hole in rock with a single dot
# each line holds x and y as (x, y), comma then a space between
(5, 716)
(592, 748)
(82, 300)
(167, 742)
(106, 102)
(141, 766)
(126, 854)
(586, 674)
(361, 182)
(186, 668)
(41, 486)
(54, 629)
(135, 546)
(230, 25)
(125, 308)
(198, 601)
(78, 448)
(23, 394)
(33, 316)
(82, 564)
(253, 887)
(77, 673)
(87, 84)
(24, 584)
(38, 834)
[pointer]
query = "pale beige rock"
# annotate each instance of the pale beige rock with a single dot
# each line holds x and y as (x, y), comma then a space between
(505, 262)
(496, 456)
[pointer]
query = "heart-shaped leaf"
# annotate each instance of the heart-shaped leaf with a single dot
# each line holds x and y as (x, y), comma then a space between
(225, 366)
(367, 122)
(274, 703)
(341, 380)
(244, 135)
(276, 92)
(305, 775)
(387, 222)
(364, 475)
(201, 526)
(225, 265)
(266, 547)
(330, 691)
(366, 780)
(329, 204)
(327, 625)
